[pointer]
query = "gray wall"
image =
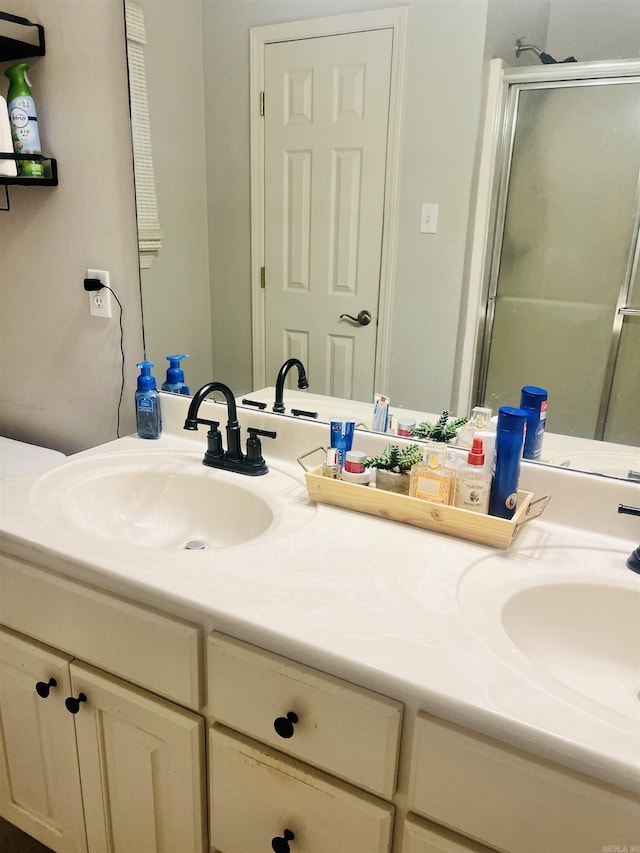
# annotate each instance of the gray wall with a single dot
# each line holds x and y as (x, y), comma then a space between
(176, 295)
(59, 367)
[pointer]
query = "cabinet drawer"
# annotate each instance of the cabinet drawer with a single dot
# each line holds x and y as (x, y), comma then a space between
(132, 641)
(512, 800)
(419, 836)
(256, 794)
(346, 730)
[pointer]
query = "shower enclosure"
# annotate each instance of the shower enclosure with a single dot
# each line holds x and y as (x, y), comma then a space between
(563, 290)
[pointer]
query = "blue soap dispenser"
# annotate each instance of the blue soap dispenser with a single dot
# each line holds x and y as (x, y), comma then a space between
(175, 383)
(148, 416)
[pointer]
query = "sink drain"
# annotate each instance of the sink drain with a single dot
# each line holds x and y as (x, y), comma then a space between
(195, 545)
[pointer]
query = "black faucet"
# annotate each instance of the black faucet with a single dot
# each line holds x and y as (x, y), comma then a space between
(278, 406)
(231, 459)
(633, 560)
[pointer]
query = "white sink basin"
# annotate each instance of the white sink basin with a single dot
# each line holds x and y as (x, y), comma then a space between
(164, 501)
(576, 633)
(586, 635)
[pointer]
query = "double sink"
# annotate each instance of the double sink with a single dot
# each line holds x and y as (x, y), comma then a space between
(564, 619)
(577, 635)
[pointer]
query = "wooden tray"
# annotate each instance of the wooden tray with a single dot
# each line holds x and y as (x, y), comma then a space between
(485, 529)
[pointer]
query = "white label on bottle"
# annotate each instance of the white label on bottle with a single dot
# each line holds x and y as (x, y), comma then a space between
(428, 486)
(472, 494)
(22, 115)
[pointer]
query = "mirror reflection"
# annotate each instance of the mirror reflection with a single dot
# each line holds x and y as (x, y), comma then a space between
(198, 292)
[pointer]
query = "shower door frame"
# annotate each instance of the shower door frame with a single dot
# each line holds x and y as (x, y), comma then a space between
(512, 82)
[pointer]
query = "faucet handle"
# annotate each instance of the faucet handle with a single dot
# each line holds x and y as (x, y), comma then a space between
(254, 446)
(215, 449)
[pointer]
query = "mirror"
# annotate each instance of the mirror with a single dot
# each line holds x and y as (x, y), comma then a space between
(197, 292)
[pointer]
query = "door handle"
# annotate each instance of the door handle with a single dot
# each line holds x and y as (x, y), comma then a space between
(363, 318)
(629, 312)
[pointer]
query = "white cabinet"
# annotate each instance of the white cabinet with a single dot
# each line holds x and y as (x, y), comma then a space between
(127, 771)
(142, 768)
(513, 800)
(39, 779)
(350, 732)
(420, 836)
(261, 800)
(134, 760)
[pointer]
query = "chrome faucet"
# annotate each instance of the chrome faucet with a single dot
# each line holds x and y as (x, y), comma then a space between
(278, 405)
(231, 459)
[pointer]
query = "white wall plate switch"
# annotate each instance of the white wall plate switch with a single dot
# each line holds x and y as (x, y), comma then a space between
(429, 218)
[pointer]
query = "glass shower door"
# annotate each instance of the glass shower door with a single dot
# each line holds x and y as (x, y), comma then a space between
(621, 408)
(562, 265)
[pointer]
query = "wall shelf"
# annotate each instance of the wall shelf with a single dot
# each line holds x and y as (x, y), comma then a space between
(50, 178)
(19, 38)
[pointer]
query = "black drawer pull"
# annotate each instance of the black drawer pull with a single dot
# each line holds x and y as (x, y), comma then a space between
(281, 844)
(43, 688)
(284, 725)
(73, 705)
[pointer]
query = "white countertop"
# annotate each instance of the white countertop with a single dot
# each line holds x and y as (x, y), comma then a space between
(368, 600)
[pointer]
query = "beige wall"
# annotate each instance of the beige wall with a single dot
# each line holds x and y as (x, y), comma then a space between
(603, 29)
(59, 367)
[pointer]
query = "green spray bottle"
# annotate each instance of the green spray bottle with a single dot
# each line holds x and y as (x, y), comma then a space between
(23, 119)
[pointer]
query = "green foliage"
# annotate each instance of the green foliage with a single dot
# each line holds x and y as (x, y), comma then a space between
(395, 459)
(443, 430)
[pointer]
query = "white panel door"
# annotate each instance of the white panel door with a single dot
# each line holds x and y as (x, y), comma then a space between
(39, 779)
(326, 125)
(142, 768)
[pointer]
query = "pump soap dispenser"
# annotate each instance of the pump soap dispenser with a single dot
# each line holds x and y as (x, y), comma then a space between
(148, 416)
(175, 383)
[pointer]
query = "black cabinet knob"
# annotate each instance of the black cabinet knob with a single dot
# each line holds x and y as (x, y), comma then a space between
(43, 688)
(281, 844)
(284, 725)
(72, 704)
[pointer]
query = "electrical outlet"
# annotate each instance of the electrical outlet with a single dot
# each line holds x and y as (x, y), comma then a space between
(100, 300)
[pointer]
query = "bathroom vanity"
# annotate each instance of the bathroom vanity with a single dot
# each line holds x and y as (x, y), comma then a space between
(313, 679)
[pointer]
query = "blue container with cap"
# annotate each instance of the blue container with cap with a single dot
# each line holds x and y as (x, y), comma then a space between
(148, 416)
(509, 445)
(534, 401)
(174, 382)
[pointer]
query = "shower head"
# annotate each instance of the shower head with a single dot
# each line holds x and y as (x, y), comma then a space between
(545, 58)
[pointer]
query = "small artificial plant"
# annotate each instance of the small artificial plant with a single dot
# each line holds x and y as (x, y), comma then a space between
(394, 459)
(443, 430)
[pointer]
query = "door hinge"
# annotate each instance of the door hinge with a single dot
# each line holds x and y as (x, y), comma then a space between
(262, 278)
(261, 103)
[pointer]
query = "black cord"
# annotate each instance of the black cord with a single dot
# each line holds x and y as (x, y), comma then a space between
(115, 296)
